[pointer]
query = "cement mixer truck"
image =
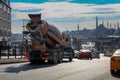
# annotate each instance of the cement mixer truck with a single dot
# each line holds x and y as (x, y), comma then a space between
(45, 42)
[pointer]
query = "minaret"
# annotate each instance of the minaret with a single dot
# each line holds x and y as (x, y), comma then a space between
(96, 32)
(118, 25)
(96, 21)
(107, 24)
(115, 26)
(102, 22)
(78, 27)
(110, 25)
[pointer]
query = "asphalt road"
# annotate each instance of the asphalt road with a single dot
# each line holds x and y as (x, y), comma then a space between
(96, 69)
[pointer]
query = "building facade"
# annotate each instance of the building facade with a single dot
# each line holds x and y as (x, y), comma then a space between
(5, 21)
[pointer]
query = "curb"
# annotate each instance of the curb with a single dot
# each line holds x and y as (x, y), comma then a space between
(107, 55)
(10, 61)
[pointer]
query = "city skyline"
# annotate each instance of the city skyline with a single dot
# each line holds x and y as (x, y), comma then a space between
(66, 14)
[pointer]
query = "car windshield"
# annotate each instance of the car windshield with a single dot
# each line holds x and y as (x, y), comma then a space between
(117, 52)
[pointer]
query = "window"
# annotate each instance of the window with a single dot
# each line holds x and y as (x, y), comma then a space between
(8, 10)
(4, 15)
(5, 1)
(4, 8)
(9, 2)
(0, 13)
(0, 24)
(0, 4)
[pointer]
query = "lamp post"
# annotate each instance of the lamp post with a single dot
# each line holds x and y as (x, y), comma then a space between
(14, 48)
(24, 29)
(23, 37)
(8, 45)
(0, 50)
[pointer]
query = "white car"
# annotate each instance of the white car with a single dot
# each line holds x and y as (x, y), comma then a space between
(76, 52)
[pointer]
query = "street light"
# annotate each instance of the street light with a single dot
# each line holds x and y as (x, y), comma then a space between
(25, 21)
(14, 48)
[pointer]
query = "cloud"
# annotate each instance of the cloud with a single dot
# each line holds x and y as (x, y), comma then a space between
(99, 12)
(64, 9)
(75, 1)
(66, 13)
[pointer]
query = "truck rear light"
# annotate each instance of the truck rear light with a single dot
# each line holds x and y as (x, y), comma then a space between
(44, 58)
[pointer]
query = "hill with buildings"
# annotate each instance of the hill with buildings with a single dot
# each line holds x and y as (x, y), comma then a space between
(101, 31)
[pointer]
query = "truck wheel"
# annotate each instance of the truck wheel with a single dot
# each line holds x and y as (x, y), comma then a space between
(55, 59)
(60, 58)
(32, 61)
(42, 61)
(112, 72)
(71, 57)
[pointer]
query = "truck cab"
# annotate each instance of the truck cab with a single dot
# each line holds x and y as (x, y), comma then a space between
(68, 51)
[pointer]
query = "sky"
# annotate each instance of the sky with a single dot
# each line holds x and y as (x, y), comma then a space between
(66, 14)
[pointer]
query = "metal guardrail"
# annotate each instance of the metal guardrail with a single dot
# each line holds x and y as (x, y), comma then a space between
(11, 53)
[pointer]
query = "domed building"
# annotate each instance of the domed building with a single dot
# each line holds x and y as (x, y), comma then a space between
(102, 31)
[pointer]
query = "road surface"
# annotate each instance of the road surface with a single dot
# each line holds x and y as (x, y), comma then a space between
(96, 69)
